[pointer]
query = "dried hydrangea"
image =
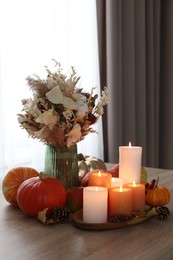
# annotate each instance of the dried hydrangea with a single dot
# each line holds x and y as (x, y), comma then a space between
(60, 113)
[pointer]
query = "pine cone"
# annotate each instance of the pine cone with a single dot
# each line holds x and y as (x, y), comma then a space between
(61, 214)
(120, 218)
(162, 213)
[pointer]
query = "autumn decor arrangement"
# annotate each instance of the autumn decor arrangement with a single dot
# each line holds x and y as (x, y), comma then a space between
(60, 114)
(73, 187)
(46, 198)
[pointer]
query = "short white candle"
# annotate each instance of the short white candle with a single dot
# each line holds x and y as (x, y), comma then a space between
(95, 204)
(130, 163)
(116, 182)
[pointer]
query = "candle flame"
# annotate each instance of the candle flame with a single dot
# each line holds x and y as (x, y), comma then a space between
(121, 188)
(130, 145)
(134, 183)
(99, 173)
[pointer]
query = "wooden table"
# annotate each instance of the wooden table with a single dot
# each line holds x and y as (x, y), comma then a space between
(23, 237)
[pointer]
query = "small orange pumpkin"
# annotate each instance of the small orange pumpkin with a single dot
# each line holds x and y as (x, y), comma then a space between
(158, 196)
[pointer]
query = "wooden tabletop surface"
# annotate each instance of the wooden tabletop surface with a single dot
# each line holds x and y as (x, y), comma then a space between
(23, 237)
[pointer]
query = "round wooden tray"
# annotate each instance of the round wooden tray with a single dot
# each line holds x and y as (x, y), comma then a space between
(77, 220)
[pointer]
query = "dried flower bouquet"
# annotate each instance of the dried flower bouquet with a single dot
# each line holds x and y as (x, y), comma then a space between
(60, 113)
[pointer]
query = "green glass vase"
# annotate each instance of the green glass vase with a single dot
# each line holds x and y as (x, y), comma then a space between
(62, 163)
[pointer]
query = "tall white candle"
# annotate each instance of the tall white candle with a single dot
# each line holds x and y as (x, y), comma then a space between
(130, 163)
(95, 204)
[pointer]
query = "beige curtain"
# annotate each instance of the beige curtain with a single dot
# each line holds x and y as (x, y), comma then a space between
(136, 63)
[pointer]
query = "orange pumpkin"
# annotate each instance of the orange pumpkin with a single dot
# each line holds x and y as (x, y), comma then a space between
(39, 193)
(159, 196)
(13, 180)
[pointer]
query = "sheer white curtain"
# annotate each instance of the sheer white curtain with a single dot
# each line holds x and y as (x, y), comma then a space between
(32, 32)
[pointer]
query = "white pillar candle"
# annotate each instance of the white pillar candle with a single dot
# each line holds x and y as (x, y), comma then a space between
(116, 182)
(130, 163)
(95, 204)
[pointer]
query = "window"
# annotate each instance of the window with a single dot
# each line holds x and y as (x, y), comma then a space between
(32, 32)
